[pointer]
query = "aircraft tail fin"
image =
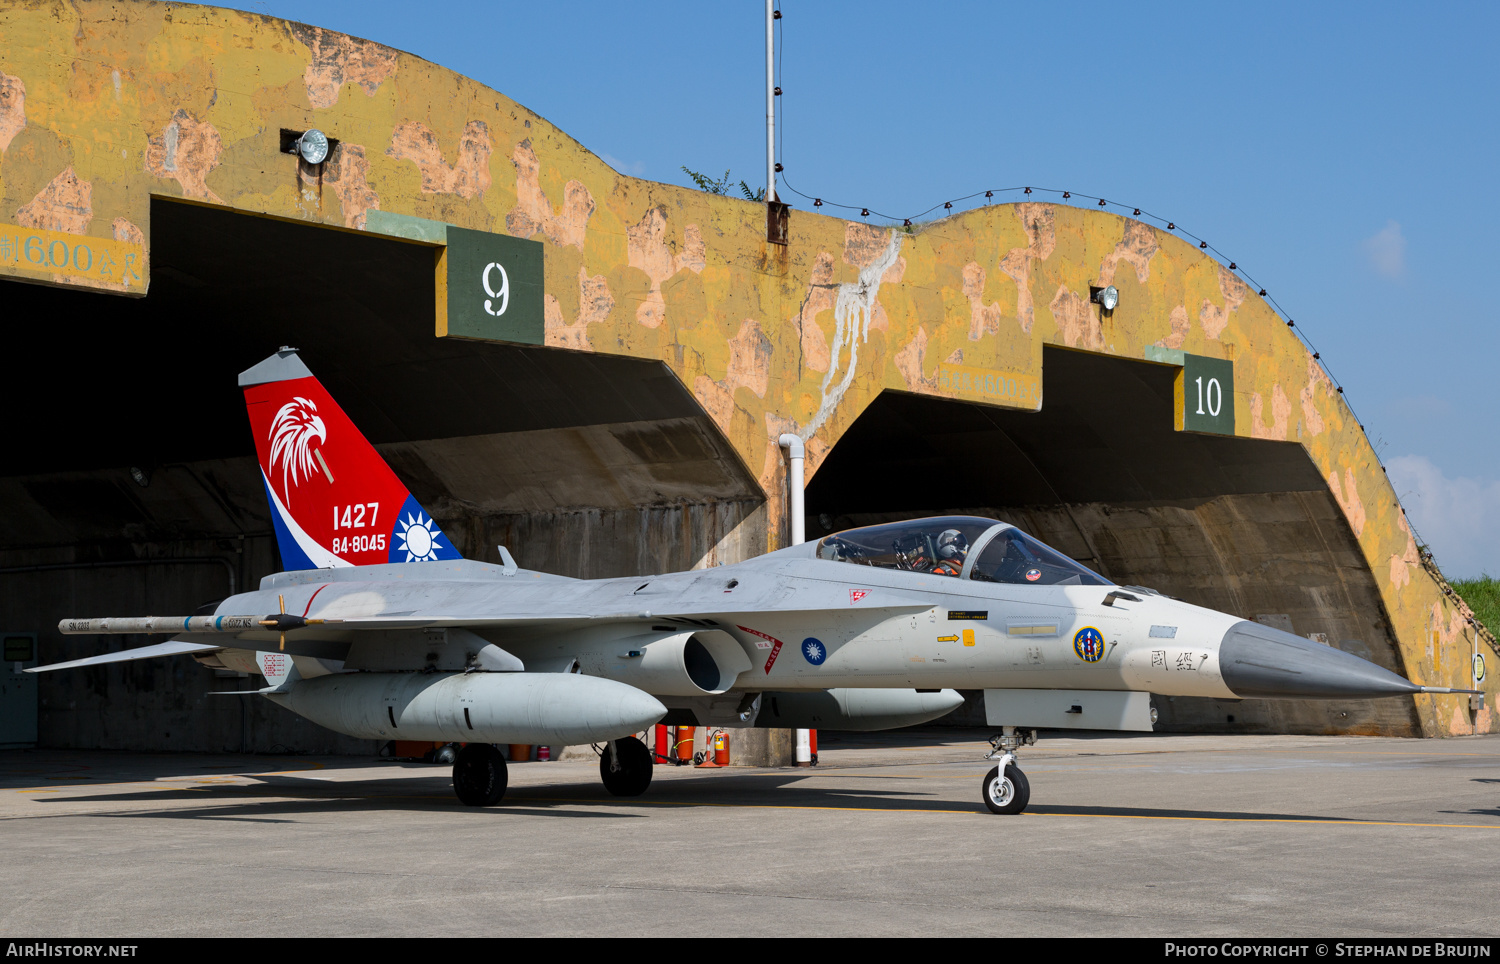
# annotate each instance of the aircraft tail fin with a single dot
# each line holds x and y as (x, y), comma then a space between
(334, 500)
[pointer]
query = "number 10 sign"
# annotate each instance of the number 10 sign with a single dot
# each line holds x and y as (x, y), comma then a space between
(1205, 395)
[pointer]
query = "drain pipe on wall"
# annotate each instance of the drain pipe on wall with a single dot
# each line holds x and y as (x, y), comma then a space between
(794, 452)
(795, 514)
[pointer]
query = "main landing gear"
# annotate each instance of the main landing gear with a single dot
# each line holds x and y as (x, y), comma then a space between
(479, 775)
(625, 766)
(1006, 789)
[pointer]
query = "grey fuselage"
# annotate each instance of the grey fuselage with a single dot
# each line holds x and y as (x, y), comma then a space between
(798, 622)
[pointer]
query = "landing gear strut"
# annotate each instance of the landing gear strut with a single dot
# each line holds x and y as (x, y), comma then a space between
(479, 776)
(1006, 789)
(625, 766)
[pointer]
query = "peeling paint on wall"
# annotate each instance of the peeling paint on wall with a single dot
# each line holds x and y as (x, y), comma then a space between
(468, 176)
(347, 173)
(1316, 379)
(1215, 318)
(911, 361)
(595, 303)
(186, 150)
(1136, 249)
(1180, 325)
(1039, 222)
(12, 108)
(533, 213)
(1077, 321)
(821, 295)
(1281, 410)
(65, 204)
(1347, 496)
(984, 319)
(749, 359)
(1402, 564)
(647, 249)
(338, 59)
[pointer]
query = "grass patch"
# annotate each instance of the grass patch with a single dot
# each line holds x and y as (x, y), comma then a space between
(1483, 596)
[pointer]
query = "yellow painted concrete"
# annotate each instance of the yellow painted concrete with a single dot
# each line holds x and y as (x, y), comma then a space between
(105, 104)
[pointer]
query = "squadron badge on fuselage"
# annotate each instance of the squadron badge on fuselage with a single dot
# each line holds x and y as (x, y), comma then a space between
(1088, 643)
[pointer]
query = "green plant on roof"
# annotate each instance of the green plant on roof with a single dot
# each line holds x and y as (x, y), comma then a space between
(721, 186)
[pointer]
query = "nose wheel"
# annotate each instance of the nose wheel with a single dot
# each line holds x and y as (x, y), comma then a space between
(1007, 793)
(1006, 789)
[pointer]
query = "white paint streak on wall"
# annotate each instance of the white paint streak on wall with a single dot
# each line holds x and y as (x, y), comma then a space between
(851, 316)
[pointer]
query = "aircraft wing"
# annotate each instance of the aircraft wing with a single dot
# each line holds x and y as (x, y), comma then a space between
(481, 606)
(171, 648)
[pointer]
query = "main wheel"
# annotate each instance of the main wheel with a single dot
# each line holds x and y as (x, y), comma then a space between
(631, 774)
(479, 776)
(1007, 794)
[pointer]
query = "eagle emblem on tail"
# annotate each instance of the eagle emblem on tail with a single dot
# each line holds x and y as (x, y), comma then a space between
(292, 433)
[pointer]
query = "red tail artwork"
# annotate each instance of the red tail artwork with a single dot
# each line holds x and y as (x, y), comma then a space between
(334, 500)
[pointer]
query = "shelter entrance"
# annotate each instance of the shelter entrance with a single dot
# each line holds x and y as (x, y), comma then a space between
(1244, 526)
(131, 482)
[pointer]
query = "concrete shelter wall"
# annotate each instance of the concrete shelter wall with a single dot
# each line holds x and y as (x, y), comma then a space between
(158, 704)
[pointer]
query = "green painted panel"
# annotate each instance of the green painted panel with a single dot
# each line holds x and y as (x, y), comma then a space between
(18, 692)
(495, 287)
(1205, 395)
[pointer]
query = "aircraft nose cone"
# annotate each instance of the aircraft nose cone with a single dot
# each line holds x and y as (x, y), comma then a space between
(1259, 662)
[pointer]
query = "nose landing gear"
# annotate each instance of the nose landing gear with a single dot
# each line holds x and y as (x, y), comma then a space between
(1006, 789)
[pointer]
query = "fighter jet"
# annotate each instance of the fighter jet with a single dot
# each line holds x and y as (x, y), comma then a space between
(380, 630)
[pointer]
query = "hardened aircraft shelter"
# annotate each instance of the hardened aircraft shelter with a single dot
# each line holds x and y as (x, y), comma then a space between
(593, 370)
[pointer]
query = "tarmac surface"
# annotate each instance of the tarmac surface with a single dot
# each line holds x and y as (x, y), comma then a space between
(1167, 836)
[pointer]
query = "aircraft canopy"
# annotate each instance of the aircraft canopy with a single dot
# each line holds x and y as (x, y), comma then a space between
(1011, 556)
(944, 545)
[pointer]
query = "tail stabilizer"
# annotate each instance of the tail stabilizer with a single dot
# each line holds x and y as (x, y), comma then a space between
(334, 500)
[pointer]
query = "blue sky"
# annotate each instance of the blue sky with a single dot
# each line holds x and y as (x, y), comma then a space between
(1343, 153)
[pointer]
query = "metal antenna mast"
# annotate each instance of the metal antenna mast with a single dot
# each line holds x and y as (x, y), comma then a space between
(770, 104)
(776, 212)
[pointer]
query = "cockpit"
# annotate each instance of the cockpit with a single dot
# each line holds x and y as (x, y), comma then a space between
(964, 547)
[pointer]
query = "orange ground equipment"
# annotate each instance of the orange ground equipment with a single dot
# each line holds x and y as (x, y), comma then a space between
(684, 745)
(715, 751)
(663, 741)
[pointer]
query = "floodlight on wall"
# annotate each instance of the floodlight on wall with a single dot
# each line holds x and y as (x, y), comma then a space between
(1106, 297)
(312, 146)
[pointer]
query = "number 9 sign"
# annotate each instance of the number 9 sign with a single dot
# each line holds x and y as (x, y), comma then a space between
(502, 295)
